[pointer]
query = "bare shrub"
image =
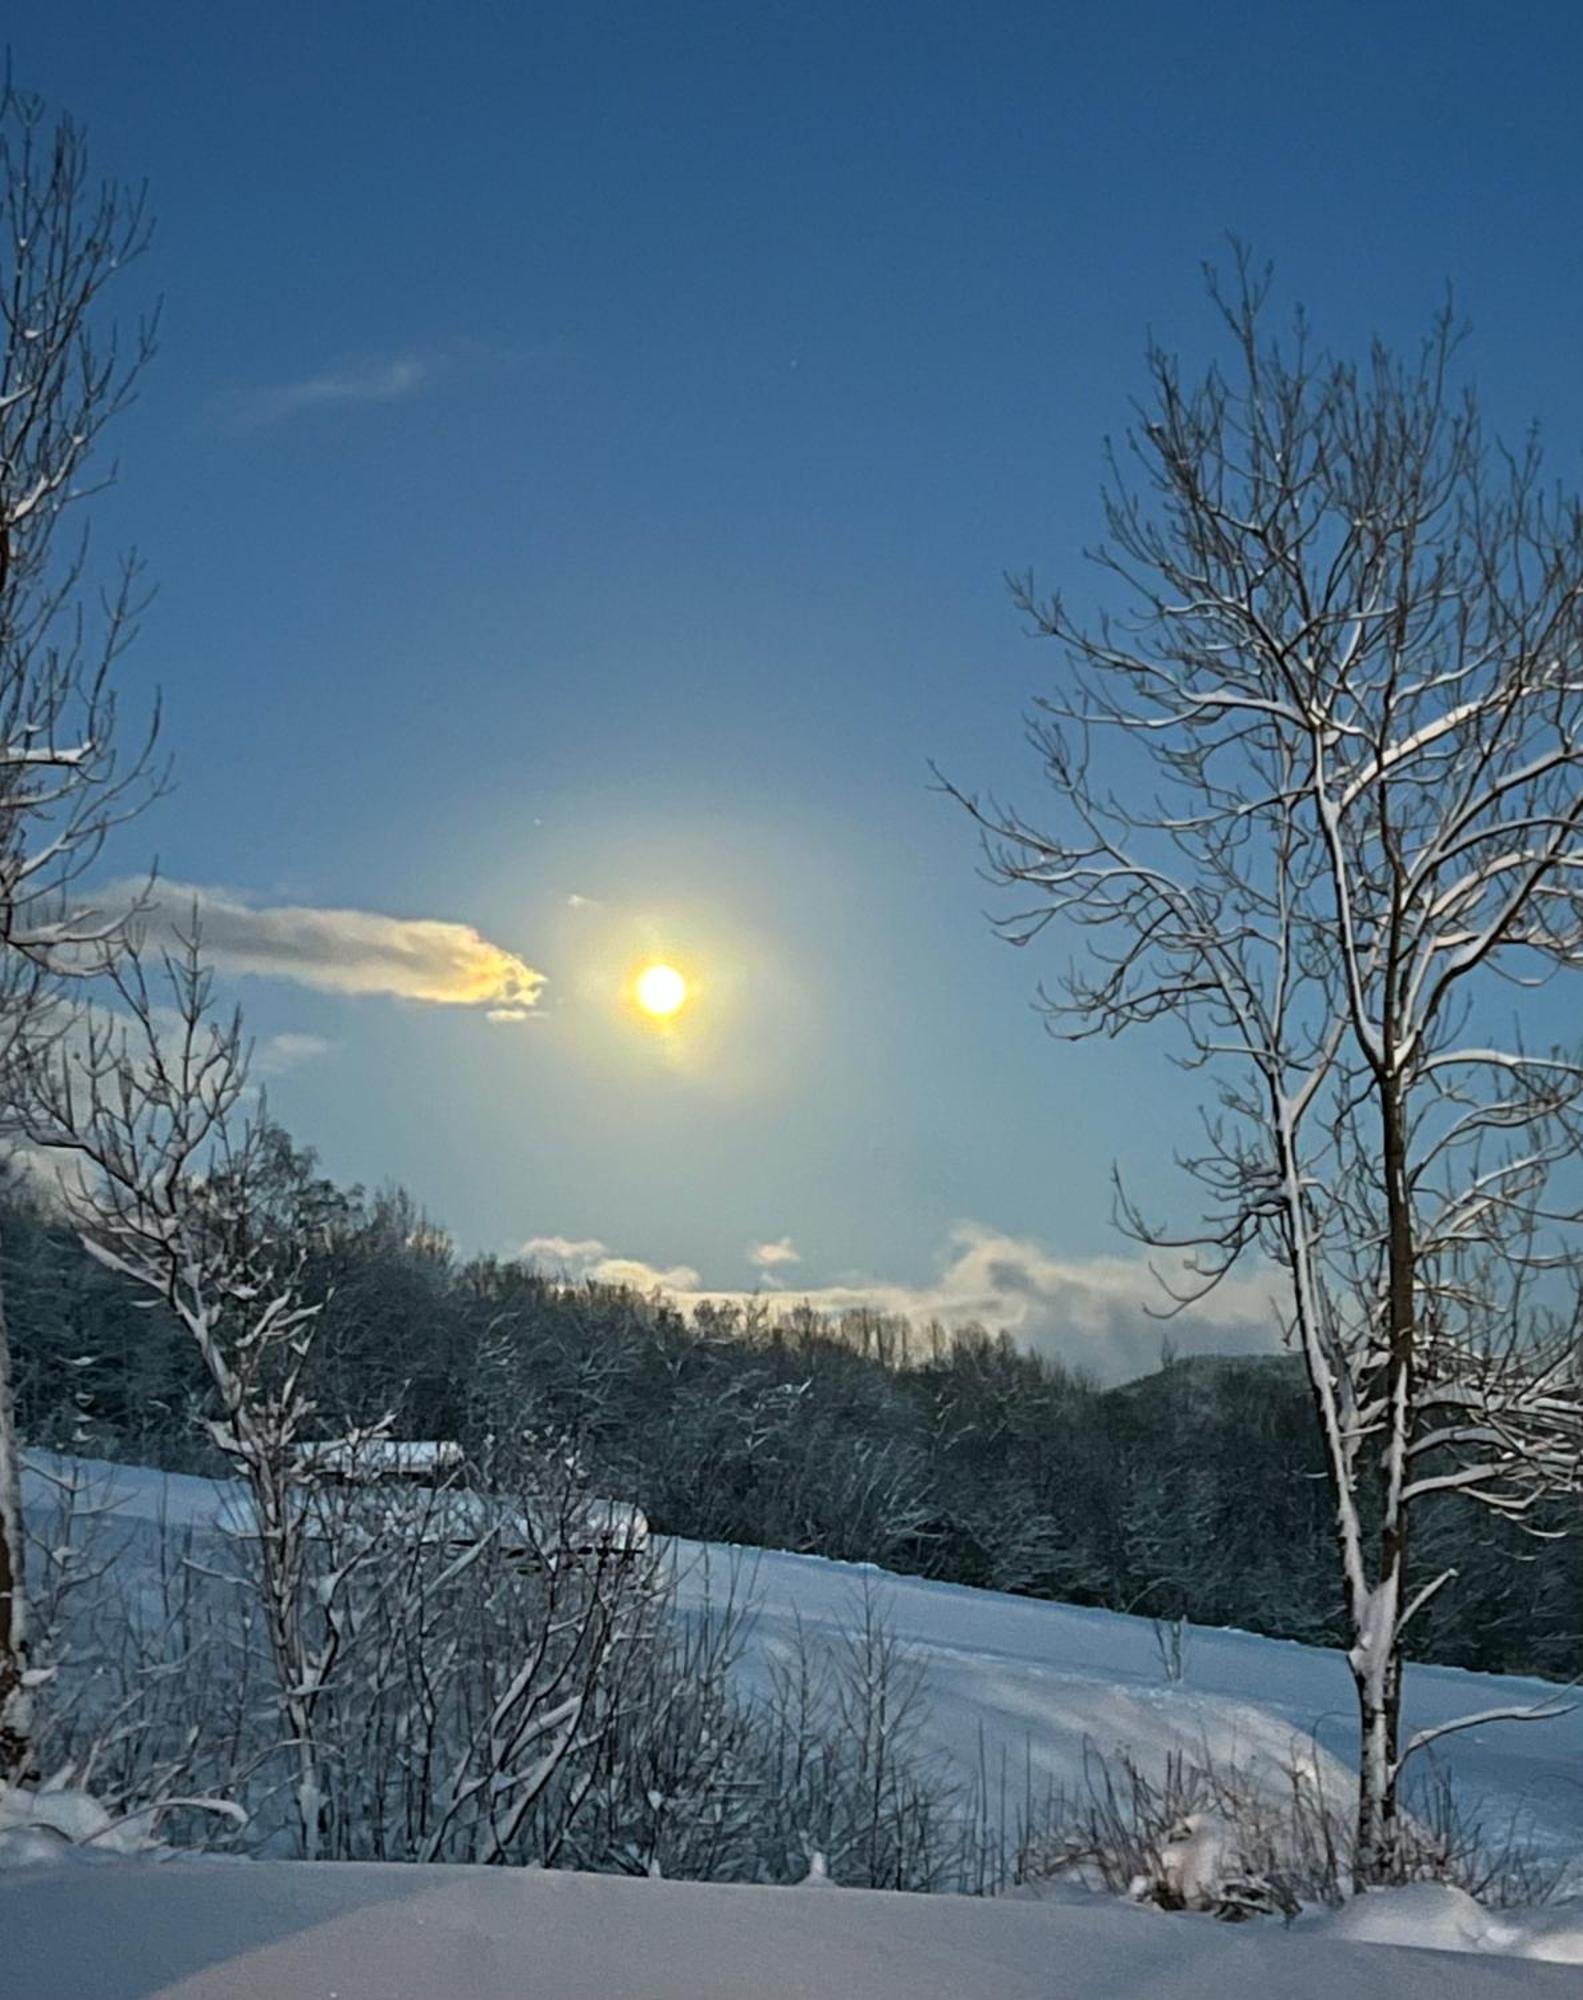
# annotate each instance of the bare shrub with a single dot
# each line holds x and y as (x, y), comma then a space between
(494, 1691)
(465, 1681)
(1219, 1837)
(850, 1779)
(153, 1679)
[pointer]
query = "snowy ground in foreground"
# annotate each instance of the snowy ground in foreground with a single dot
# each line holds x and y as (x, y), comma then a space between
(1011, 1684)
(362, 1931)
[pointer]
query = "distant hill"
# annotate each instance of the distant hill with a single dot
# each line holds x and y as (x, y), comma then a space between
(1285, 1370)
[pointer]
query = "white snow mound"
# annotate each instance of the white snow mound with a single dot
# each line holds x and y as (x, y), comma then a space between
(1437, 1917)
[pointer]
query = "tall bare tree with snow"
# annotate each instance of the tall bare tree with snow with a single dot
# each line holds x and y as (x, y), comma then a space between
(166, 1183)
(1320, 819)
(63, 786)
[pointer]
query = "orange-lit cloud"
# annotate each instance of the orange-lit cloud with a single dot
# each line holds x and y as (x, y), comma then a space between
(344, 951)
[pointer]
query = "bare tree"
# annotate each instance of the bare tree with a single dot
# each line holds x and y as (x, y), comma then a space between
(63, 240)
(1321, 790)
(151, 1102)
(369, 1596)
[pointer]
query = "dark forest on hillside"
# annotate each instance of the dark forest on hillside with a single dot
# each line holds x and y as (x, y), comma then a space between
(1196, 1491)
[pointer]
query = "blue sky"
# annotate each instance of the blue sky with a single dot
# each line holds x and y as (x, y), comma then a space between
(581, 461)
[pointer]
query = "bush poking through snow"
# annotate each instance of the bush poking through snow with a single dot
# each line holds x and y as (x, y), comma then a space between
(1214, 1838)
(49, 1822)
(563, 1712)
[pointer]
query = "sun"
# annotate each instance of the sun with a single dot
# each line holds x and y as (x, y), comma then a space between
(661, 990)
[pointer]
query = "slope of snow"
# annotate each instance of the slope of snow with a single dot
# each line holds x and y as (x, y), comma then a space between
(1017, 1689)
(369, 1931)
(1018, 1683)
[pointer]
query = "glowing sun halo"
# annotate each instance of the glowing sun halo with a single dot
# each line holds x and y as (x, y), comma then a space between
(661, 990)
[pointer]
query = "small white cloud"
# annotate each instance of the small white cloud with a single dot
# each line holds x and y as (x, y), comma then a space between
(565, 1252)
(640, 1277)
(588, 1258)
(769, 1256)
(277, 1054)
(576, 902)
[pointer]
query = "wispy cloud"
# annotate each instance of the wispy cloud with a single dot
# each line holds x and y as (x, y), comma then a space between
(343, 951)
(276, 1054)
(1090, 1312)
(387, 379)
(376, 378)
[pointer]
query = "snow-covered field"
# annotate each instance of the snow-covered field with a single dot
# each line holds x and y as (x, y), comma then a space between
(1015, 1681)
(1018, 1692)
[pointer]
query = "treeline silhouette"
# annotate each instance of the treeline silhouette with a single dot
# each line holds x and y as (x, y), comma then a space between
(1195, 1491)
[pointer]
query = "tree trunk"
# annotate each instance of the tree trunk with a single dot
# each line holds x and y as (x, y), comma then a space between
(15, 1698)
(1377, 1651)
(281, 1576)
(1377, 1674)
